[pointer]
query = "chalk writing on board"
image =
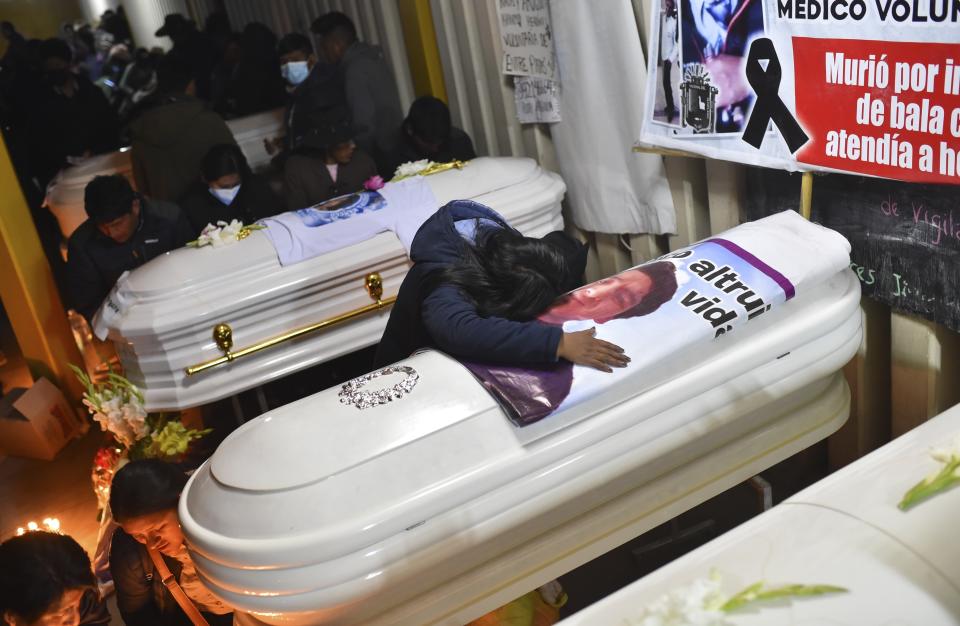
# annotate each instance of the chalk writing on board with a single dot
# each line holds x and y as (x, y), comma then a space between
(905, 238)
(527, 38)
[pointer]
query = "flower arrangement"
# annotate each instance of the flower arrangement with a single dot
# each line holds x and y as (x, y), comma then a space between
(412, 168)
(373, 183)
(223, 234)
(939, 481)
(702, 603)
(117, 405)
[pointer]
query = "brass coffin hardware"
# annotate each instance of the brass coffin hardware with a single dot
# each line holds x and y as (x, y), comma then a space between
(223, 334)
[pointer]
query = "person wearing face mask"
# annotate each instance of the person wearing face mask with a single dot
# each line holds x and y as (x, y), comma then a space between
(124, 230)
(228, 190)
(149, 545)
(46, 580)
(313, 88)
(73, 118)
(326, 165)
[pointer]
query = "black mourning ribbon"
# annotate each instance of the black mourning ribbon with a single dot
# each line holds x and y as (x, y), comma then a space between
(769, 106)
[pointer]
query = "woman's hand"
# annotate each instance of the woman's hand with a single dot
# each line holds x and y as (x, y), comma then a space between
(583, 348)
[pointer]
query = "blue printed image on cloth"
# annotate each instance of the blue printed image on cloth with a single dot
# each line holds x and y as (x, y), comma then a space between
(341, 208)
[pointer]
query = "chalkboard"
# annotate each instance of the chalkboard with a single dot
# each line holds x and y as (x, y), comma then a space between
(905, 237)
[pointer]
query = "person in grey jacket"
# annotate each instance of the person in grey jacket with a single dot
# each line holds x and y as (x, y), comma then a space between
(369, 85)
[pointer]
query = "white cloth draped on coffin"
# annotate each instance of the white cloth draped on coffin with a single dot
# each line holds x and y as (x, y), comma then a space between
(611, 189)
(664, 311)
(401, 207)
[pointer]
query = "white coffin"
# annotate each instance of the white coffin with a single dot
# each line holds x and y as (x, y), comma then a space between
(431, 510)
(846, 530)
(65, 192)
(182, 295)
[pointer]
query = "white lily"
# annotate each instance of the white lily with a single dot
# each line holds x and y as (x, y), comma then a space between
(412, 168)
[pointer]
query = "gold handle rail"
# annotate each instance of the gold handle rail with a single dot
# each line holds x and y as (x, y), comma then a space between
(223, 334)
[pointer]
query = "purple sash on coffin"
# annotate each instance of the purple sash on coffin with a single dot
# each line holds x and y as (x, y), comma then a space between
(529, 393)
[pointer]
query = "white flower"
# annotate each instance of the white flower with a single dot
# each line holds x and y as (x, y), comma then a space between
(220, 235)
(948, 453)
(695, 605)
(412, 168)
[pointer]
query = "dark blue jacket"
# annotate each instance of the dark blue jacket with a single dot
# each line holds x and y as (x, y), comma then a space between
(445, 318)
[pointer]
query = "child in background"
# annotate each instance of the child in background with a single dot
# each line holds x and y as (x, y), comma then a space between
(325, 165)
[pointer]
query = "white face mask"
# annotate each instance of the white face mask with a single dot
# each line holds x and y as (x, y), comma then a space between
(227, 195)
(295, 72)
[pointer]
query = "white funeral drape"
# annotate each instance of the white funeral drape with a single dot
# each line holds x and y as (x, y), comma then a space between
(611, 189)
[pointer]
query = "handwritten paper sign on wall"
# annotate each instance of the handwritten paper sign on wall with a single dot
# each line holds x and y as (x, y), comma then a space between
(528, 56)
(527, 38)
(538, 99)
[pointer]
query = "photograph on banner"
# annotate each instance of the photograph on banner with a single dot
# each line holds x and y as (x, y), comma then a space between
(782, 84)
(716, 35)
(668, 87)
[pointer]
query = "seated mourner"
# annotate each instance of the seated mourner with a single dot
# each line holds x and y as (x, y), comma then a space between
(228, 190)
(143, 499)
(327, 164)
(124, 230)
(45, 578)
(427, 133)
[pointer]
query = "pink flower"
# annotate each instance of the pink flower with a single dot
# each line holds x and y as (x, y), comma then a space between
(373, 183)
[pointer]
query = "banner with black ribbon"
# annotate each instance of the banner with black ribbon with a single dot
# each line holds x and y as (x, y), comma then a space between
(852, 87)
(764, 75)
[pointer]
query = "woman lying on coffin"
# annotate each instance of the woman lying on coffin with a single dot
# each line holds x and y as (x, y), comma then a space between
(477, 286)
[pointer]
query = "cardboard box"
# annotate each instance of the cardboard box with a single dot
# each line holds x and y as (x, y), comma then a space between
(37, 422)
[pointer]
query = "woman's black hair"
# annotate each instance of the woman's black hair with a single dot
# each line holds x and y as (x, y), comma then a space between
(222, 160)
(36, 569)
(508, 275)
(144, 487)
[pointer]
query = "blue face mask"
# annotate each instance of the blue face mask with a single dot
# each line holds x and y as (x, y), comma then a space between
(225, 196)
(295, 72)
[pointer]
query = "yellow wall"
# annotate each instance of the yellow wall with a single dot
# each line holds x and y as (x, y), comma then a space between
(40, 19)
(28, 291)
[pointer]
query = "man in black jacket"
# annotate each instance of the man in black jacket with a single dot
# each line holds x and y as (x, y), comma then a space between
(314, 86)
(124, 230)
(72, 117)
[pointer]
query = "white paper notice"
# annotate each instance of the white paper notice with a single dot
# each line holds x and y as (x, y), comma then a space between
(527, 38)
(538, 99)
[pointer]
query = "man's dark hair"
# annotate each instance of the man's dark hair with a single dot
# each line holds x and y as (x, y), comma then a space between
(429, 119)
(335, 24)
(508, 275)
(36, 569)
(222, 160)
(144, 487)
(663, 276)
(54, 48)
(174, 73)
(294, 42)
(108, 197)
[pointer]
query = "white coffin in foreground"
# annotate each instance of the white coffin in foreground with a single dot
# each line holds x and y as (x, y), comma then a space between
(900, 567)
(65, 193)
(181, 296)
(431, 510)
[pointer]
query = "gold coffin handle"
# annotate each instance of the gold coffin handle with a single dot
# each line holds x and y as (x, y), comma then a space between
(223, 334)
